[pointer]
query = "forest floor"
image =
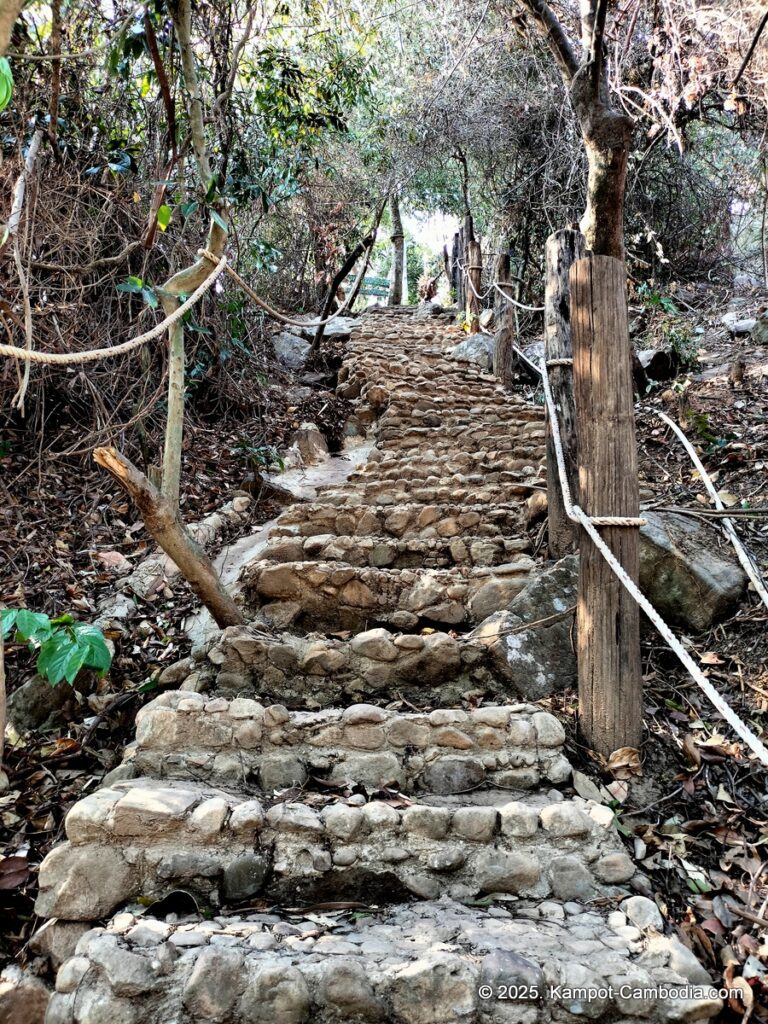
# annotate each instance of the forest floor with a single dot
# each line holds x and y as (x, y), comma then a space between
(697, 818)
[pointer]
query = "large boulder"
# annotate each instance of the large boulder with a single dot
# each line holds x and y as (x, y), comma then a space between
(341, 327)
(291, 350)
(477, 349)
(687, 571)
(536, 657)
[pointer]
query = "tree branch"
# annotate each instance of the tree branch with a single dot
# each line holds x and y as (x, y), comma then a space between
(555, 35)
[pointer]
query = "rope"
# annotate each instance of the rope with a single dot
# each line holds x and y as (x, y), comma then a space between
(730, 529)
(577, 515)
(520, 305)
(559, 362)
(74, 358)
(281, 317)
(566, 487)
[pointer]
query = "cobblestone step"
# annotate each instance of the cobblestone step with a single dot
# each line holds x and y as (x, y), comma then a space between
(142, 838)
(431, 552)
(436, 961)
(336, 596)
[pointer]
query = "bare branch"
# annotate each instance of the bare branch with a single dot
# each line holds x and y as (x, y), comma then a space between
(555, 34)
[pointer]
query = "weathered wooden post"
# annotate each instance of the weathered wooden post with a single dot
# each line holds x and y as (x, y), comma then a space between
(503, 350)
(474, 272)
(607, 618)
(562, 250)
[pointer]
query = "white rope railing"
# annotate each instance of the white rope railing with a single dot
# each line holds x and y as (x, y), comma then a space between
(730, 529)
(92, 355)
(577, 515)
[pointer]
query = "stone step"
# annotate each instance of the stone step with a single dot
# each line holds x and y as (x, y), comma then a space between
(518, 463)
(311, 519)
(317, 671)
(473, 489)
(435, 552)
(390, 495)
(146, 838)
(435, 962)
(183, 735)
(336, 597)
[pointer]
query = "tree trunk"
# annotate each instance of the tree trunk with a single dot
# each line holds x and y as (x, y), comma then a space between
(607, 138)
(161, 519)
(398, 253)
(563, 249)
(3, 708)
(185, 281)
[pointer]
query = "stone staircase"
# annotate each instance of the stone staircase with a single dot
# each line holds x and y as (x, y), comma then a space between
(342, 814)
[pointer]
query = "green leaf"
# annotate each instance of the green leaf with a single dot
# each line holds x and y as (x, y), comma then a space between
(218, 219)
(163, 216)
(8, 619)
(98, 655)
(75, 662)
(6, 83)
(53, 657)
(149, 297)
(187, 209)
(33, 625)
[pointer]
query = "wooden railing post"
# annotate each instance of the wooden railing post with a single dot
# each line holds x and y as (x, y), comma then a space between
(562, 250)
(474, 283)
(503, 351)
(607, 618)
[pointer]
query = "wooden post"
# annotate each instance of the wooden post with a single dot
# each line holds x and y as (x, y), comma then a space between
(474, 260)
(562, 250)
(503, 353)
(607, 618)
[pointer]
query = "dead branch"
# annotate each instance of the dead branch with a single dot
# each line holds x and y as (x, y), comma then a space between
(162, 521)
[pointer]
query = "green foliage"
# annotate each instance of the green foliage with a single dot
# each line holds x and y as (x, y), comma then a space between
(63, 645)
(135, 286)
(260, 456)
(6, 83)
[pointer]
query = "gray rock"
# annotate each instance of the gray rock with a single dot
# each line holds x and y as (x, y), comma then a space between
(83, 883)
(510, 970)
(213, 985)
(759, 333)
(23, 997)
(570, 879)
(341, 327)
(643, 913)
(438, 988)
(347, 994)
(687, 572)
(737, 324)
(243, 877)
(275, 993)
(291, 350)
(477, 349)
(539, 661)
(498, 871)
(36, 704)
(452, 774)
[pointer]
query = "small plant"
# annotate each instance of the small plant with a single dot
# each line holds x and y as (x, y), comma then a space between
(260, 456)
(63, 645)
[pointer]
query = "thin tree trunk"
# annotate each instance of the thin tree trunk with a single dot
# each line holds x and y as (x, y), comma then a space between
(398, 253)
(607, 140)
(161, 519)
(185, 281)
(3, 707)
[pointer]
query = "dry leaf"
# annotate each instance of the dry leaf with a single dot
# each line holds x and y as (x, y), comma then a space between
(728, 499)
(624, 763)
(711, 658)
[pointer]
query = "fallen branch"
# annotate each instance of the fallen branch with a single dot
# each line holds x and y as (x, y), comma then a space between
(162, 521)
